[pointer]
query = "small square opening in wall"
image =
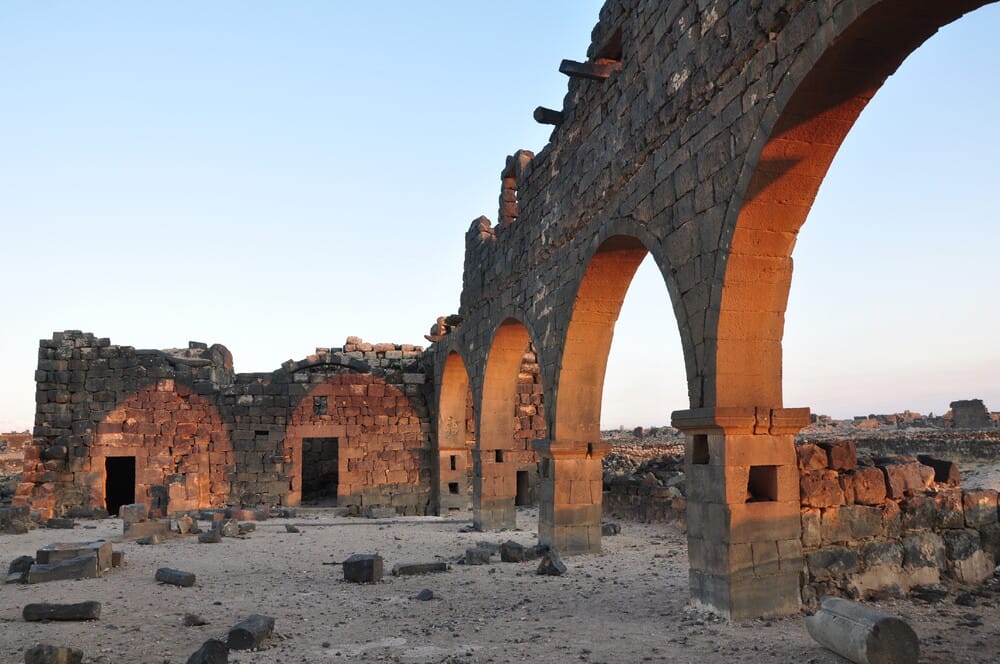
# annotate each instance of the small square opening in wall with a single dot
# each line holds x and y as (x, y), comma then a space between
(261, 433)
(454, 462)
(762, 485)
(319, 405)
(453, 488)
(498, 456)
(699, 449)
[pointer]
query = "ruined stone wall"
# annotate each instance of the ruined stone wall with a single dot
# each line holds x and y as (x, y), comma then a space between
(970, 414)
(12, 446)
(204, 436)
(889, 525)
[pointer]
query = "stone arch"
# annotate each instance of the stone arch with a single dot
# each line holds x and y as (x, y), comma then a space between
(378, 438)
(499, 453)
(811, 113)
(182, 449)
(455, 436)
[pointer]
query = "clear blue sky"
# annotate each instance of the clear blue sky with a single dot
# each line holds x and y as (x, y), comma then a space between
(278, 176)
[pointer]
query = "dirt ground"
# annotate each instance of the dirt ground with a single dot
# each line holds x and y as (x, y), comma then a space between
(628, 604)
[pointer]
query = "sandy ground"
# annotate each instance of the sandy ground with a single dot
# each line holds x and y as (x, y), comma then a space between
(628, 604)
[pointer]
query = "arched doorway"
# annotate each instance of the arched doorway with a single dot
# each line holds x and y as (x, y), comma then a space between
(455, 438)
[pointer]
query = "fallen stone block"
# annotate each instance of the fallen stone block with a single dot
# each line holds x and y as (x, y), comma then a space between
(250, 633)
(82, 567)
(184, 525)
(492, 547)
(210, 537)
(150, 540)
(194, 620)
(610, 529)
(862, 634)
(175, 577)
(289, 528)
(247, 528)
(53, 553)
(227, 527)
(17, 571)
(410, 569)
(515, 552)
(363, 568)
(133, 513)
(551, 565)
(146, 528)
(48, 654)
(477, 555)
(424, 595)
(212, 651)
(79, 611)
(60, 523)
(288, 513)
(945, 472)
(15, 520)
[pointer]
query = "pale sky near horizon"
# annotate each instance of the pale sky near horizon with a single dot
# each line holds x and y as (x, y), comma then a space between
(277, 176)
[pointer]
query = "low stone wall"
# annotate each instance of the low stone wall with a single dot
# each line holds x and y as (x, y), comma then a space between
(645, 503)
(968, 446)
(889, 525)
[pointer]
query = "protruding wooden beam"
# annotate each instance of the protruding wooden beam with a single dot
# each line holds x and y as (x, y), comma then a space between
(544, 115)
(597, 71)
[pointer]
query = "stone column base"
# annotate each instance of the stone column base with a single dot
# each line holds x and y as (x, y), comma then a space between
(569, 516)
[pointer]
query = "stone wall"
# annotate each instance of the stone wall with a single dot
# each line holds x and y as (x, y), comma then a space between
(11, 462)
(970, 414)
(204, 436)
(888, 525)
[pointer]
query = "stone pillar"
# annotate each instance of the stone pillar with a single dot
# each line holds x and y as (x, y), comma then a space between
(452, 480)
(569, 515)
(494, 487)
(744, 530)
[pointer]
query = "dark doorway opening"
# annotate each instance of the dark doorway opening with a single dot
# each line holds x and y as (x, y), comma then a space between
(119, 485)
(320, 466)
(523, 495)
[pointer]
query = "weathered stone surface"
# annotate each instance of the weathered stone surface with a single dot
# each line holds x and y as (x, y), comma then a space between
(980, 507)
(989, 536)
(175, 577)
(950, 512)
(812, 530)
(141, 529)
(821, 489)
(409, 569)
(832, 562)
(45, 611)
(863, 521)
(811, 457)
(424, 595)
(610, 529)
(81, 567)
(210, 537)
(924, 550)
(53, 553)
(882, 553)
(15, 520)
(49, 654)
(869, 486)
(253, 632)
(17, 571)
(551, 565)
(212, 651)
(841, 455)
(132, 514)
(919, 513)
(60, 523)
(945, 472)
(478, 555)
(862, 634)
(363, 568)
(961, 544)
(904, 478)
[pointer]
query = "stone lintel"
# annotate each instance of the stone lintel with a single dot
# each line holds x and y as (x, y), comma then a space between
(759, 420)
(570, 449)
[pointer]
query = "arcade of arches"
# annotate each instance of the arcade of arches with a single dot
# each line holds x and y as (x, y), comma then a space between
(697, 133)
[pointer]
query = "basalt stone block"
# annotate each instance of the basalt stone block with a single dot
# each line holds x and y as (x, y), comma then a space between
(882, 553)
(812, 529)
(821, 489)
(134, 513)
(980, 507)
(380, 512)
(363, 568)
(551, 565)
(811, 457)
(53, 553)
(869, 486)
(227, 528)
(49, 654)
(950, 512)
(210, 537)
(68, 612)
(841, 455)
(82, 567)
(17, 571)
(945, 472)
(904, 477)
(919, 513)
(142, 529)
(924, 550)
(60, 523)
(410, 569)
(212, 651)
(250, 633)
(15, 520)
(175, 577)
(610, 529)
(989, 537)
(961, 544)
(477, 555)
(833, 562)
